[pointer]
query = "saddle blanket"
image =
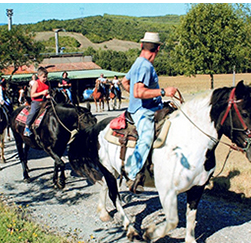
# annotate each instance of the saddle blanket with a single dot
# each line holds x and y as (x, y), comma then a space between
(22, 117)
(159, 141)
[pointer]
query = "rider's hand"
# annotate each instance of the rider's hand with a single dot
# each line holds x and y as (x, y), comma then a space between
(170, 91)
(45, 92)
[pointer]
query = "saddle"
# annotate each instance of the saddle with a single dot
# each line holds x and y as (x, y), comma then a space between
(22, 116)
(122, 131)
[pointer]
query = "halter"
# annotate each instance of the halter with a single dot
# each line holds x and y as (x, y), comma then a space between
(74, 131)
(233, 102)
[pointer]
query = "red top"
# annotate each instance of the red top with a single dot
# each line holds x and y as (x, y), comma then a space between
(41, 87)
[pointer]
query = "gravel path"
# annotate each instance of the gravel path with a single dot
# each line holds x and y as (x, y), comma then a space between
(72, 211)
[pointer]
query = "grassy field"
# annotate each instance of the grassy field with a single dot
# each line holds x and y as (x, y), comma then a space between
(234, 181)
(193, 85)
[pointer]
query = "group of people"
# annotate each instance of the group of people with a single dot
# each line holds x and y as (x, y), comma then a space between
(38, 91)
(145, 98)
(102, 81)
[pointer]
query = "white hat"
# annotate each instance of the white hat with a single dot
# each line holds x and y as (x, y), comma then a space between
(151, 37)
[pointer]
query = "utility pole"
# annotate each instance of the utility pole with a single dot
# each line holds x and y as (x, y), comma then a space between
(9, 15)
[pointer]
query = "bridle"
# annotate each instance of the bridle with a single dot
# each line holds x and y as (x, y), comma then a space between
(233, 102)
(72, 132)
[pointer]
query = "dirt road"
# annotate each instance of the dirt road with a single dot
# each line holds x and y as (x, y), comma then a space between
(72, 212)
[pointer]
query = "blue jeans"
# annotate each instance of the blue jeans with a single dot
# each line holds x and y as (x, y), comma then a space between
(35, 107)
(144, 122)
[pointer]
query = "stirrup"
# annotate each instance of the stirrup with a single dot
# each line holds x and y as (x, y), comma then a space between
(27, 132)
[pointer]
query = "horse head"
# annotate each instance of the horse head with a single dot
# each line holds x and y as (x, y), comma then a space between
(60, 96)
(231, 112)
(85, 117)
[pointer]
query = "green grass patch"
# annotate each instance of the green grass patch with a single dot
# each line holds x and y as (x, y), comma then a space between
(16, 228)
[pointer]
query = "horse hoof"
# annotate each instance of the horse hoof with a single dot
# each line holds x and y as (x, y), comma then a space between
(27, 180)
(105, 218)
(103, 214)
(59, 185)
(132, 233)
(148, 235)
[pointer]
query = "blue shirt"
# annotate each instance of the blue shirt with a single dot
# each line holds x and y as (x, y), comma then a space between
(143, 71)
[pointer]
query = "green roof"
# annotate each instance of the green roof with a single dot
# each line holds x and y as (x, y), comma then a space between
(80, 74)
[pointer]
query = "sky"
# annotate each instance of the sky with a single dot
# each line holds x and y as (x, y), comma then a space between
(28, 12)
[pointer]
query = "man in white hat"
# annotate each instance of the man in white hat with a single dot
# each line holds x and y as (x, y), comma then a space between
(145, 98)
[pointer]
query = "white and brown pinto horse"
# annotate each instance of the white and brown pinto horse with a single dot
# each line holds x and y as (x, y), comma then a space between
(184, 163)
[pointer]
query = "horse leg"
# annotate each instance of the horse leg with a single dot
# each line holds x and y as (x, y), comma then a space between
(168, 199)
(8, 133)
(107, 101)
(114, 103)
(111, 184)
(101, 209)
(96, 104)
(22, 156)
(103, 104)
(2, 147)
(58, 165)
(119, 102)
(193, 198)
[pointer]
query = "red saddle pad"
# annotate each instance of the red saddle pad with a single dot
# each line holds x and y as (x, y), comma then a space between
(22, 116)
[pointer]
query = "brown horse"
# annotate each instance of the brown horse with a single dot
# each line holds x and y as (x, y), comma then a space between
(101, 95)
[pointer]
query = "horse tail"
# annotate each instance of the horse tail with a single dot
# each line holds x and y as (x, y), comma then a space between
(83, 152)
(84, 160)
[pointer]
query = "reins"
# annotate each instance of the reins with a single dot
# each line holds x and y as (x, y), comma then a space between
(231, 101)
(216, 140)
(73, 132)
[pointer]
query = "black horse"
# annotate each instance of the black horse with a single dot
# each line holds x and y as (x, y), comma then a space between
(58, 125)
(4, 122)
(60, 96)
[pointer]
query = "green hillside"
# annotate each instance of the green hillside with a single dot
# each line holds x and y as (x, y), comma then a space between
(104, 28)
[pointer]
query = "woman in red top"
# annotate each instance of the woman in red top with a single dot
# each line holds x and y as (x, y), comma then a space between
(39, 92)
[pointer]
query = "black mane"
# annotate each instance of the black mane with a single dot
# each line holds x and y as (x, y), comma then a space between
(219, 102)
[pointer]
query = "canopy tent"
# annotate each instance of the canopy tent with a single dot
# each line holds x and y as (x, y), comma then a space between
(77, 74)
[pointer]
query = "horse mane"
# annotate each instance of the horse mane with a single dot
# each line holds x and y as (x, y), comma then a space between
(219, 101)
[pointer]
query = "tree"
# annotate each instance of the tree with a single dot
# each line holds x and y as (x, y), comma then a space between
(18, 48)
(210, 37)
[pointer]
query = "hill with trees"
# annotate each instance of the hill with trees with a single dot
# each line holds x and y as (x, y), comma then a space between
(211, 38)
(107, 27)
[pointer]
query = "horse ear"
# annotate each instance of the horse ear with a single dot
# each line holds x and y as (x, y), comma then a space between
(240, 90)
